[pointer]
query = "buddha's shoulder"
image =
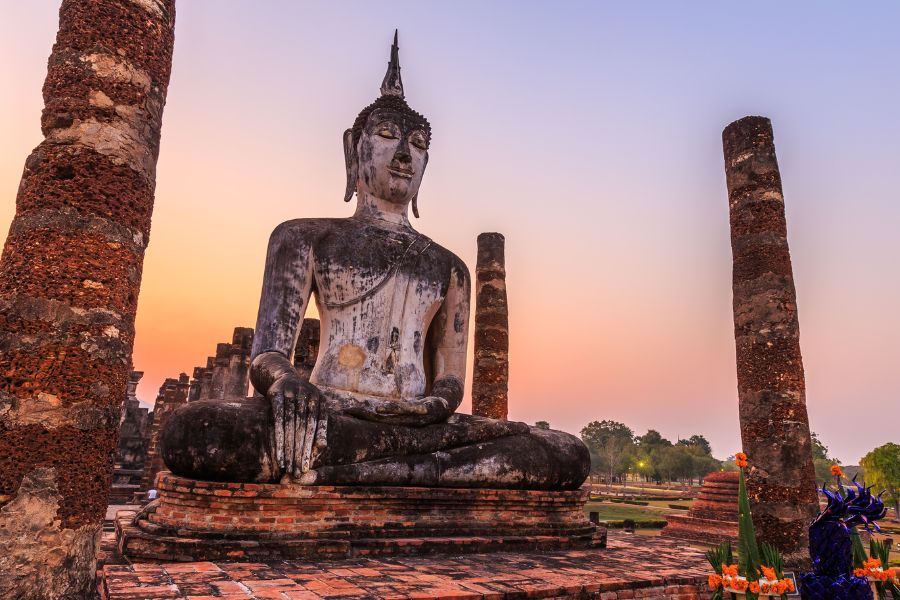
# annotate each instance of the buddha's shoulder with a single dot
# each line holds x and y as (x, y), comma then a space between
(448, 258)
(312, 229)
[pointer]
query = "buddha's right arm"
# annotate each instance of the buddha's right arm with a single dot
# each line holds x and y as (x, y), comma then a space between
(287, 284)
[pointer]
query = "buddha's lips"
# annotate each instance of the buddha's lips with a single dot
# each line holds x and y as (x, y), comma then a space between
(401, 173)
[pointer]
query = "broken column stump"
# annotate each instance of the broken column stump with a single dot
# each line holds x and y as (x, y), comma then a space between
(771, 387)
(69, 280)
(490, 376)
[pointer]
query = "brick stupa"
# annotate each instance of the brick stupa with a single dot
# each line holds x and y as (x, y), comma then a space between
(713, 518)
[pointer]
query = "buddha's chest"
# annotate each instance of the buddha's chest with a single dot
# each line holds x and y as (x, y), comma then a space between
(383, 270)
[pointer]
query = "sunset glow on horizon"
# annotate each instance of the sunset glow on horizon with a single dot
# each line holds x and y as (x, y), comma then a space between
(589, 135)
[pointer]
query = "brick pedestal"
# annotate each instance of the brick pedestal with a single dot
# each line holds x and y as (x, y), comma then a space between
(200, 520)
(713, 518)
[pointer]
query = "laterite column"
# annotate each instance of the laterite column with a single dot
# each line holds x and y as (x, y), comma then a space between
(69, 279)
(771, 389)
(490, 378)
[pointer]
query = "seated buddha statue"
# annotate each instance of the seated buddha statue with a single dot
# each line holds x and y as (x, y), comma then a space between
(380, 405)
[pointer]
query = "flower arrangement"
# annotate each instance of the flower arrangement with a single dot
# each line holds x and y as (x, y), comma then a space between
(841, 568)
(759, 570)
(883, 580)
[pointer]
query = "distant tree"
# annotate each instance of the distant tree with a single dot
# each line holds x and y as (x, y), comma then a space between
(821, 461)
(653, 439)
(698, 441)
(882, 470)
(819, 450)
(673, 462)
(542, 424)
(608, 442)
(651, 446)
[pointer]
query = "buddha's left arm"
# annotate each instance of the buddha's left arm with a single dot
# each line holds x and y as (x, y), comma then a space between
(450, 336)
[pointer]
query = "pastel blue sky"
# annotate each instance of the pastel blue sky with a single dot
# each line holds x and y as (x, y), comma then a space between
(589, 133)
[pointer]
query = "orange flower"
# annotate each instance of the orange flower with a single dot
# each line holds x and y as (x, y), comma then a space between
(714, 581)
(764, 588)
(872, 563)
(740, 456)
(779, 587)
(836, 471)
(754, 587)
(892, 572)
(880, 575)
(790, 585)
(739, 584)
(860, 572)
(730, 570)
(769, 573)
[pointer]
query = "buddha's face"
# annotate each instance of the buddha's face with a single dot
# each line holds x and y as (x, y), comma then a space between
(393, 152)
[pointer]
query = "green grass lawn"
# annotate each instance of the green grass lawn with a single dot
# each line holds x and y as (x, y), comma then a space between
(618, 512)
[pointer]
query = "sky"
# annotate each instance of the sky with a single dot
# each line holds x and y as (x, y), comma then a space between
(589, 134)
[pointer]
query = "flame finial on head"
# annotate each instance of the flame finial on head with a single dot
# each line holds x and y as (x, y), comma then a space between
(393, 84)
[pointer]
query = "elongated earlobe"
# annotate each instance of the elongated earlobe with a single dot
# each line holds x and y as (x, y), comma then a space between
(351, 165)
(415, 200)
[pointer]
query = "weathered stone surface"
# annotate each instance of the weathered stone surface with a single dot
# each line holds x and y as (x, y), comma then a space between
(66, 554)
(377, 407)
(771, 387)
(69, 280)
(490, 377)
(713, 518)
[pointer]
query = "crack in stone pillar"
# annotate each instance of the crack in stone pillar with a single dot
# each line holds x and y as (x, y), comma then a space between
(490, 376)
(69, 280)
(771, 387)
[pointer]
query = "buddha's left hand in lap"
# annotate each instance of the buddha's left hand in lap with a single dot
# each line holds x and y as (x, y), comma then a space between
(435, 408)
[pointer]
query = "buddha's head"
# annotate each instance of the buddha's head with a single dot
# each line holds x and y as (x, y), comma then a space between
(386, 150)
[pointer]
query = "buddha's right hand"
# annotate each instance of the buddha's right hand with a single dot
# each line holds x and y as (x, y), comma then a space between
(297, 412)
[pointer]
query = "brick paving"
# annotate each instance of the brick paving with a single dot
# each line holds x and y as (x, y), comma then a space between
(632, 566)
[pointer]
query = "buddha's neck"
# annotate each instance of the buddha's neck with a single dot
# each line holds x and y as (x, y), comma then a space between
(381, 213)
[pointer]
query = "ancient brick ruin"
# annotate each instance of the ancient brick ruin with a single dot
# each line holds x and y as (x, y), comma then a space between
(172, 394)
(307, 348)
(134, 437)
(713, 518)
(206, 520)
(490, 376)
(226, 375)
(771, 387)
(69, 280)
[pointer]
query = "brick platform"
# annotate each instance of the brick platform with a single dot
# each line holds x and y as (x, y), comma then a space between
(201, 520)
(713, 518)
(633, 566)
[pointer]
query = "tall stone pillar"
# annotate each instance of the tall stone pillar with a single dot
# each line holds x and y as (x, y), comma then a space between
(69, 279)
(771, 388)
(490, 377)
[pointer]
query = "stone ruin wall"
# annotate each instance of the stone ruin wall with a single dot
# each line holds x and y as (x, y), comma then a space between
(227, 374)
(134, 437)
(172, 394)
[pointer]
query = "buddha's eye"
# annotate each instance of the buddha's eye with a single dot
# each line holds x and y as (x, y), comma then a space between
(386, 133)
(417, 139)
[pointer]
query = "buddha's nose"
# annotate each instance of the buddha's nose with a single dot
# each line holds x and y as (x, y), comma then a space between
(402, 154)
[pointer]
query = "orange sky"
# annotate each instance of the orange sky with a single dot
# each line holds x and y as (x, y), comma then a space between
(590, 137)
